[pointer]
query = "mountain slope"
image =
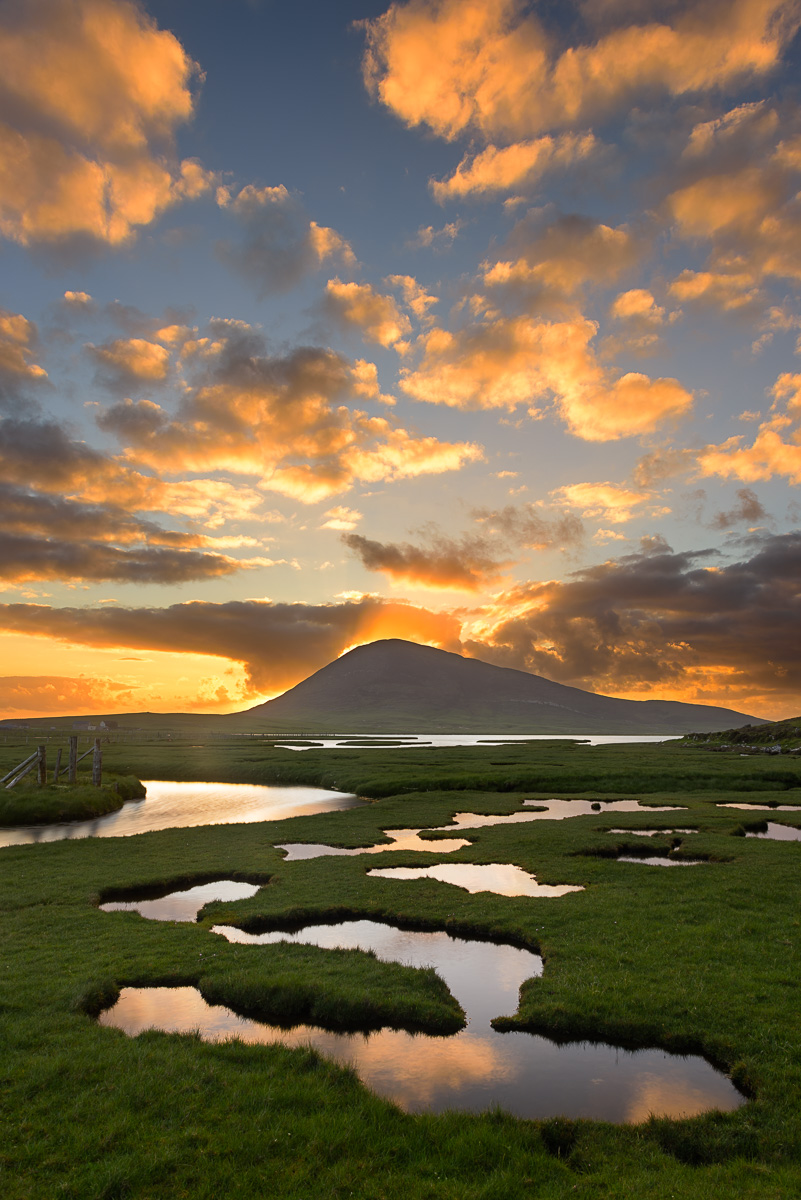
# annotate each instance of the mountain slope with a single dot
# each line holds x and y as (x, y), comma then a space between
(401, 687)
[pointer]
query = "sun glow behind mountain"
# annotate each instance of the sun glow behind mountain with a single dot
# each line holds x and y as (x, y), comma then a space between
(479, 333)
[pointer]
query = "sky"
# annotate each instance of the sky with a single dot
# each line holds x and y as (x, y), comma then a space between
(472, 322)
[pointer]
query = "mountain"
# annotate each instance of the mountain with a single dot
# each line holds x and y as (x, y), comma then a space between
(394, 686)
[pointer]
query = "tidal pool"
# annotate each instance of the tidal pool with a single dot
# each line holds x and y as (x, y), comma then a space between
(777, 833)
(650, 832)
(473, 1070)
(763, 807)
(662, 860)
(170, 805)
(409, 839)
(502, 878)
(185, 905)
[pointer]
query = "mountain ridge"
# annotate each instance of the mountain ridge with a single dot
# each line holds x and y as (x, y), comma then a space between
(397, 686)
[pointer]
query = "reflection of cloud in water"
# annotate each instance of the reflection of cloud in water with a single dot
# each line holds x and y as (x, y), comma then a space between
(410, 839)
(501, 878)
(664, 1095)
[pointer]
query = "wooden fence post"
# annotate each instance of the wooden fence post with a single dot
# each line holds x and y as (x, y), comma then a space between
(42, 765)
(57, 767)
(73, 764)
(97, 764)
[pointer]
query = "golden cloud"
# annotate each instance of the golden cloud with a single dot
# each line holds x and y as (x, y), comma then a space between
(359, 306)
(512, 168)
(556, 262)
(684, 624)
(93, 93)
(280, 419)
(507, 362)
(132, 359)
(492, 67)
(18, 339)
(341, 518)
(728, 292)
(603, 501)
(776, 449)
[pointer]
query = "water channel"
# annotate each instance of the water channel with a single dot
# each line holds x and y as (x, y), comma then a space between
(473, 1070)
(169, 805)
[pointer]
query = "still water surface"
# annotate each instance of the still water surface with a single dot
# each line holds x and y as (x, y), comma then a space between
(533, 810)
(180, 805)
(399, 741)
(473, 1070)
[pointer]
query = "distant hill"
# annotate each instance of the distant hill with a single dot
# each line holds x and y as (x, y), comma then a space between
(401, 687)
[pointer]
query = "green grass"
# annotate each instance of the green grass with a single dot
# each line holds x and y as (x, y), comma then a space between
(29, 804)
(700, 959)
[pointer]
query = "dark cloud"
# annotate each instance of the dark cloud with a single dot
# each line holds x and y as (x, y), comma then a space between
(662, 617)
(748, 509)
(525, 525)
(24, 557)
(467, 564)
(26, 512)
(472, 562)
(279, 644)
(279, 244)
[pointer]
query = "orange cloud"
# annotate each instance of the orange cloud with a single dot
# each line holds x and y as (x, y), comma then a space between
(280, 419)
(32, 695)
(776, 449)
(93, 93)
(279, 644)
(359, 306)
(715, 289)
(341, 518)
(493, 67)
(507, 362)
(131, 359)
(556, 262)
(18, 340)
(604, 501)
(512, 168)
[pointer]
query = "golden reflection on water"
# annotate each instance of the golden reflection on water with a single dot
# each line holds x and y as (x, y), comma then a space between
(502, 878)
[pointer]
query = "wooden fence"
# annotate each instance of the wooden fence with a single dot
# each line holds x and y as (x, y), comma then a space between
(39, 760)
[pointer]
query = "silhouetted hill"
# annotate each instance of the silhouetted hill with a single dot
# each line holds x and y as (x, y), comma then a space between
(401, 687)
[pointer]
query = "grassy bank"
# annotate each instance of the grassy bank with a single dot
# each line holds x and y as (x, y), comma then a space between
(29, 804)
(702, 959)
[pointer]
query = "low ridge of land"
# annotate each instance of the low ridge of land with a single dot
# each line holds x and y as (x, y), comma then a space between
(771, 737)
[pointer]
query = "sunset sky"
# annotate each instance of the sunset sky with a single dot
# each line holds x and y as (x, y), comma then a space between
(471, 322)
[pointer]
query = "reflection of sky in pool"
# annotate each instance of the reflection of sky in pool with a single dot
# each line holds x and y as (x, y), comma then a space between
(777, 833)
(473, 1070)
(501, 878)
(410, 839)
(181, 805)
